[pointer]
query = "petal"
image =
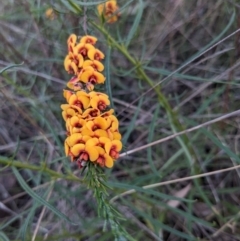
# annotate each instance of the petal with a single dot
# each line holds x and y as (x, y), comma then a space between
(77, 149)
(104, 139)
(100, 133)
(95, 54)
(116, 135)
(74, 139)
(85, 76)
(99, 77)
(101, 122)
(73, 99)
(66, 148)
(85, 101)
(117, 145)
(72, 39)
(67, 94)
(108, 147)
(95, 64)
(86, 132)
(108, 161)
(92, 152)
(92, 142)
(88, 39)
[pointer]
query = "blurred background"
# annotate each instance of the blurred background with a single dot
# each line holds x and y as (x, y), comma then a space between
(163, 36)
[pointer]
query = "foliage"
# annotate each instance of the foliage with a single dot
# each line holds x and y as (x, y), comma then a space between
(171, 66)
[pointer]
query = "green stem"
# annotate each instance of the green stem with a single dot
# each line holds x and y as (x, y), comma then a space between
(41, 168)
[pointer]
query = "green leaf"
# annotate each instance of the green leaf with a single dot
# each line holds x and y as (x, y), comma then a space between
(136, 23)
(10, 67)
(107, 73)
(87, 3)
(38, 198)
(3, 237)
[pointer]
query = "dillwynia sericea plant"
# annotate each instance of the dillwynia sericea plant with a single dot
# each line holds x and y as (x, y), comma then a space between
(93, 140)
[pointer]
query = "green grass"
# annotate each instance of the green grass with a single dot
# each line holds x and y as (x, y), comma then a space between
(170, 66)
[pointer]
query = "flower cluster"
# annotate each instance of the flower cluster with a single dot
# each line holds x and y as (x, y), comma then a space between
(92, 129)
(109, 11)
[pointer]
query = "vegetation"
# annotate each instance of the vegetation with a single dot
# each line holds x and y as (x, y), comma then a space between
(172, 76)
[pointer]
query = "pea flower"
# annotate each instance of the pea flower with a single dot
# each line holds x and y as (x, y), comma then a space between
(109, 11)
(92, 129)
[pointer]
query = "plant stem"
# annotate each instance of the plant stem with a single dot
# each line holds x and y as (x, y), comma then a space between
(41, 168)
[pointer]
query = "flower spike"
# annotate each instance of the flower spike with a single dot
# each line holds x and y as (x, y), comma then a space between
(92, 129)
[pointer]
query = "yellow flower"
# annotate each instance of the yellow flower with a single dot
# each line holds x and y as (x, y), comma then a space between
(50, 14)
(95, 64)
(103, 158)
(100, 102)
(66, 148)
(107, 113)
(90, 113)
(73, 63)
(109, 11)
(77, 138)
(71, 42)
(114, 135)
(91, 76)
(97, 123)
(97, 134)
(75, 124)
(67, 94)
(100, 141)
(88, 40)
(70, 66)
(113, 148)
(84, 152)
(95, 54)
(73, 84)
(83, 49)
(114, 122)
(80, 99)
(69, 111)
(92, 131)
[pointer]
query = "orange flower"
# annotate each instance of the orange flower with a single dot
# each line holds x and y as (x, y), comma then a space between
(113, 148)
(50, 14)
(67, 94)
(70, 66)
(109, 11)
(83, 49)
(97, 123)
(66, 148)
(97, 134)
(103, 158)
(114, 122)
(90, 113)
(84, 152)
(74, 84)
(69, 111)
(107, 113)
(91, 76)
(76, 123)
(71, 42)
(100, 102)
(76, 58)
(95, 54)
(100, 141)
(80, 99)
(92, 132)
(88, 40)
(95, 64)
(77, 138)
